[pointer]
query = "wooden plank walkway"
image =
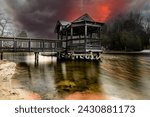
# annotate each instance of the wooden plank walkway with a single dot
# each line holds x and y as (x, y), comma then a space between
(20, 44)
(36, 45)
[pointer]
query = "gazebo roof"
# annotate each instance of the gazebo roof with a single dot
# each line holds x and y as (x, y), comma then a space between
(84, 17)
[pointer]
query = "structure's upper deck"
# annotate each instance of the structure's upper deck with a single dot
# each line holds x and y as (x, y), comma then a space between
(79, 22)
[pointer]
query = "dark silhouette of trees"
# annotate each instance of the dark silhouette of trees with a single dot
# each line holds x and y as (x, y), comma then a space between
(126, 32)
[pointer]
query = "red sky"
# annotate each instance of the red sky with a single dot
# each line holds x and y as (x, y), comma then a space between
(39, 17)
(100, 10)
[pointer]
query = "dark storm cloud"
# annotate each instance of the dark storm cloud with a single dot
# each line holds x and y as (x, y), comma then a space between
(146, 10)
(39, 17)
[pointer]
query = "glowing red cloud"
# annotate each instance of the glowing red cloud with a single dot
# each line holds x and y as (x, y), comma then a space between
(105, 12)
(100, 10)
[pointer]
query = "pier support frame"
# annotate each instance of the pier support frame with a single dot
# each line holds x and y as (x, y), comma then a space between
(36, 58)
(1, 55)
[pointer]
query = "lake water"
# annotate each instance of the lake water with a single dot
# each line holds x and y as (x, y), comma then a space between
(115, 77)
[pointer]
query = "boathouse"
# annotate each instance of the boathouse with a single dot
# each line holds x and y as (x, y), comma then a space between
(83, 35)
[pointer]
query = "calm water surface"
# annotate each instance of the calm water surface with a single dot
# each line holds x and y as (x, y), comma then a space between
(116, 77)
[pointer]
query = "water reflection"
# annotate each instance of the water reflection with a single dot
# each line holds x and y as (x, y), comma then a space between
(116, 77)
(78, 78)
(123, 76)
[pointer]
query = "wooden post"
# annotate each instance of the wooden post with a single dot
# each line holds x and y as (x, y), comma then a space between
(36, 58)
(1, 55)
(85, 36)
(71, 41)
(99, 33)
(54, 46)
(66, 42)
(71, 32)
(0, 44)
(43, 45)
(14, 45)
(61, 43)
(29, 45)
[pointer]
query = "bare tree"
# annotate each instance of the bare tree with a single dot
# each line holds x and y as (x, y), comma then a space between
(4, 24)
(147, 25)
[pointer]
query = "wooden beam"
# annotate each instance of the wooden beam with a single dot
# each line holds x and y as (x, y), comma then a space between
(1, 55)
(66, 41)
(43, 43)
(83, 24)
(29, 45)
(71, 32)
(1, 44)
(86, 32)
(14, 44)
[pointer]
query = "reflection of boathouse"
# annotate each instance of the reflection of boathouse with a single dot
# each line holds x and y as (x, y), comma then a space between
(77, 76)
(80, 36)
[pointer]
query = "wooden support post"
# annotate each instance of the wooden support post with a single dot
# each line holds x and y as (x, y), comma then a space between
(66, 41)
(29, 45)
(36, 58)
(14, 45)
(99, 33)
(43, 45)
(86, 31)
(61, 43)
(71, 32)
(59, 56)
(71, 42)
(0, 44)
(1, 55)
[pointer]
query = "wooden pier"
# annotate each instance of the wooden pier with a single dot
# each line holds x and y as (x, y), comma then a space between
(36, 45)
(80, 39)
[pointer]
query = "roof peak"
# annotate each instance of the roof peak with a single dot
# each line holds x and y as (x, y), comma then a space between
(84, 17)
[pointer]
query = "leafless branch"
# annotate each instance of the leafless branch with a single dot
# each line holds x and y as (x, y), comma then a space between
(4, 22)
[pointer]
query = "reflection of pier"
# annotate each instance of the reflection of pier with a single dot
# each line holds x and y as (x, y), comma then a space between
(76, 76)
(80, 39)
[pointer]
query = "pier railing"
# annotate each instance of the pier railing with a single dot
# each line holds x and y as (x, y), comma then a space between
(16, 44)
(82, 44)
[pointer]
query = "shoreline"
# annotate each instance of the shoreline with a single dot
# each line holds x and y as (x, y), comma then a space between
(8, 84)
(144, 52)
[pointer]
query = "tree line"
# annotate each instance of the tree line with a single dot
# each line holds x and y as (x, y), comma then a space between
(127, 32)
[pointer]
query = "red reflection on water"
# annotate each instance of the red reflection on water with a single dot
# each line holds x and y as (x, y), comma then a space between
(85, 96)
(33, 96)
